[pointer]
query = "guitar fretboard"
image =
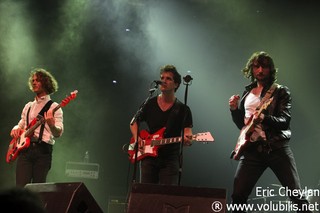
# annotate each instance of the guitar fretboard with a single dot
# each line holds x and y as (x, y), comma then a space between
(40, 120)
(166, 141)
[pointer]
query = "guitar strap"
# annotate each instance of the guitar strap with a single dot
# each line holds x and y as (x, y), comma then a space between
(264, 99)
(267, 95)
(28, 116)
(43, 110)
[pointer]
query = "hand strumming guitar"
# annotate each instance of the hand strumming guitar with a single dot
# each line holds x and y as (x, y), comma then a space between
(16, 132)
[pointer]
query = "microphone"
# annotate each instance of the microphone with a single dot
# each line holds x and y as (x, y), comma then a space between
(158, 82)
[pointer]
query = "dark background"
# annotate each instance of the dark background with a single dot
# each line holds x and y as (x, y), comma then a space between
(111, 51)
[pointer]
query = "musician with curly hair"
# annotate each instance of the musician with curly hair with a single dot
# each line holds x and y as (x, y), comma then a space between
(34, 161)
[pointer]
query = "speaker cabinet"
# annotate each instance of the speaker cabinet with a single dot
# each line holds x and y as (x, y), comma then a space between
(65, 197)
(146, 198)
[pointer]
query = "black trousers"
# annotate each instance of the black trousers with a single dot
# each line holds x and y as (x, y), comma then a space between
(33, 164)
(160, 170)
(253, 164)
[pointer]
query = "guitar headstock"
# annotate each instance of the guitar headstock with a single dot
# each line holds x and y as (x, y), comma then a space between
(72, 96)
(204, 137)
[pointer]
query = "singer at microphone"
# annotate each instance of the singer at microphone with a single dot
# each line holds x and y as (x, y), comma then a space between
(166, 117)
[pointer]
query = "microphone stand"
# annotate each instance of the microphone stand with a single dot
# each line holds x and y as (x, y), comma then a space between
(187, 81)
(136, 118)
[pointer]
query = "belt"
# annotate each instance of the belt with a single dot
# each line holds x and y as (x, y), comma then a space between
(35, 140)
(40, 144)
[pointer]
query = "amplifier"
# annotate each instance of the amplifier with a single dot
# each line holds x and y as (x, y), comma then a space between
(82, 170)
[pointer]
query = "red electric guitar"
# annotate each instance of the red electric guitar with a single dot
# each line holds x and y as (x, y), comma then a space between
(23, 141)
(245, 133)
(151, 142)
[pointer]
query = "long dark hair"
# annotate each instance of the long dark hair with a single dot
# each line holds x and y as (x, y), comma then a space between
(264, 59)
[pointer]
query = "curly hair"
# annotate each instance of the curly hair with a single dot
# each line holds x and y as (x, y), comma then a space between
(262, 58)
(48, 82)
(173, 70)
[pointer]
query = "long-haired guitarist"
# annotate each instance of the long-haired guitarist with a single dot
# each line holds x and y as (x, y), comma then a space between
(34, 160)
(263, 115)
(164, 111)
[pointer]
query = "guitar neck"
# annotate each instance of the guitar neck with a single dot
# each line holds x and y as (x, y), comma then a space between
(56, 108)
(249, 127)
(263, 107)
(166, 141)
(40, 121)
(200, 137)
(40, 118)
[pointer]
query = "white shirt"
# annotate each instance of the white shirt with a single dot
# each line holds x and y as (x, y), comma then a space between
(35, 107)
(251, 103)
